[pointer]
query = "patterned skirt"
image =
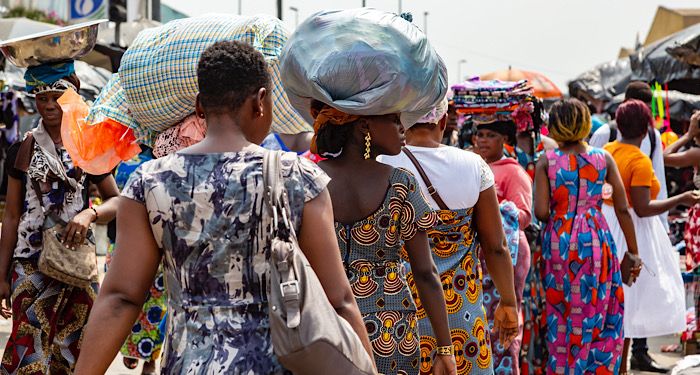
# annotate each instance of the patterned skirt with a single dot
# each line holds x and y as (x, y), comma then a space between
(394, 338)
(146, 339)
(533, 353)
(48, 318)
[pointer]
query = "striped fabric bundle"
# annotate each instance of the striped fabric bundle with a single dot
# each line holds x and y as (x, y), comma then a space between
(157, 81)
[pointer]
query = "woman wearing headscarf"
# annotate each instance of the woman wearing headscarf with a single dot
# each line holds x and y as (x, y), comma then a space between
(513, 189)
(48, 316)
(469, 222)
(655, 305)
(582, 279)
(377, 209)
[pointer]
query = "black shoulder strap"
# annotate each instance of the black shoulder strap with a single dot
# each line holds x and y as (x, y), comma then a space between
(613, 134)
(431, 189)
(652, 141)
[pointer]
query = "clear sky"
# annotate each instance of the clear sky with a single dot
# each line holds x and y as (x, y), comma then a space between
(559, 38)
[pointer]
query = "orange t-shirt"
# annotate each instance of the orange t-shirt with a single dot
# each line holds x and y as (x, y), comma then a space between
(635, 168)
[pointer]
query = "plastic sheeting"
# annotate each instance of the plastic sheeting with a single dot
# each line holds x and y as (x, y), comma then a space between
(363, 62)
(603, 82)
(96, 149)
(667, 60)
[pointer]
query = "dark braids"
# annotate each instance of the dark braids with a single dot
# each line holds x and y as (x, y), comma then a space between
(330, 140)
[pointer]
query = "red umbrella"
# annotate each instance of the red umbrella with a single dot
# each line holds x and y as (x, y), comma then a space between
(544, 87)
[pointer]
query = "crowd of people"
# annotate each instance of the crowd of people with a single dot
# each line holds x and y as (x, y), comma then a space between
(507, 251)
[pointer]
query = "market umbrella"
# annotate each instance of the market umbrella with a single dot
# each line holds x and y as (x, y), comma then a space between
(670, 58)
(603, 82)
(11, 28)
(544, 87)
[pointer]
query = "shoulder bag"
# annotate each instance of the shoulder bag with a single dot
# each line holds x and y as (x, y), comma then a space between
(308, 336)
(75, 267)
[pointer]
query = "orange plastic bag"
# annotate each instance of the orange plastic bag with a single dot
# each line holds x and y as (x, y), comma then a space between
(97, 148)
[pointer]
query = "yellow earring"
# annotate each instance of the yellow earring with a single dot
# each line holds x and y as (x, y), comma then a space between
(368, 144)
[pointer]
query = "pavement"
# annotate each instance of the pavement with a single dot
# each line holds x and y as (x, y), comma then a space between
(655, 344)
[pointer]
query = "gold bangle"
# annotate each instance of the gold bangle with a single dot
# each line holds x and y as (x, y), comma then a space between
(445, 350)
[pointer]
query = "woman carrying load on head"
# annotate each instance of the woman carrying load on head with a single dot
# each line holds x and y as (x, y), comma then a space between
(48, 316)
(514, 191)
(378, 210)
(469, 232)
(201, 211)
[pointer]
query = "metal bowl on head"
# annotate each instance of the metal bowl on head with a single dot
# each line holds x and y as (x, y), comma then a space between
(66, 43)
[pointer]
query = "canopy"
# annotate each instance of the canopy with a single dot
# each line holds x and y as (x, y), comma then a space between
(544, 87)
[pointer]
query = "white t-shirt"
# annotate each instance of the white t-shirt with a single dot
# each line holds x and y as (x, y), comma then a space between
(458, 176)
(601, 137)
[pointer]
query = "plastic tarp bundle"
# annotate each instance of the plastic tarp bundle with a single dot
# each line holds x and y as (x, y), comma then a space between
(659, 62)
(363, 62)
(603, 82)
(157, 82)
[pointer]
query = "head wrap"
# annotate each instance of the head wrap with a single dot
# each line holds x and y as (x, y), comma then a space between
(436, 114)
(49, 78)
(363, 62)
(328, 116)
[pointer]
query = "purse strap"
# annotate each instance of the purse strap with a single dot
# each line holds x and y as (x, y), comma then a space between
(282, 246)
(431, 189)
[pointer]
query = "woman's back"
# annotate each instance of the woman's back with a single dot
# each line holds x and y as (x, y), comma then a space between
(576, 181)
(206, 215)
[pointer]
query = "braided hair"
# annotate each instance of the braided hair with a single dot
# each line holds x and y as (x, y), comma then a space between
(330, 140)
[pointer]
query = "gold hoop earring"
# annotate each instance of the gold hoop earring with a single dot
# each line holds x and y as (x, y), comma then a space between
(368, 145)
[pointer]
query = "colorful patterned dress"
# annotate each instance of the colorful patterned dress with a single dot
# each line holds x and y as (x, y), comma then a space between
(584, 303)
(456, 254)
(370, 250)
(146, 338)
(48, 316)
(206, 214)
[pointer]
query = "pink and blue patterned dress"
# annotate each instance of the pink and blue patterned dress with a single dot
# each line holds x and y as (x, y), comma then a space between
(584, 297)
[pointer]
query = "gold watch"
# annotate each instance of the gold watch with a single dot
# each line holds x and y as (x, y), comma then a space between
(445, 350)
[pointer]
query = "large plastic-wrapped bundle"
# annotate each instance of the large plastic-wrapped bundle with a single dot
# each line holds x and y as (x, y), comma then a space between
(363, 62)
(157, 82)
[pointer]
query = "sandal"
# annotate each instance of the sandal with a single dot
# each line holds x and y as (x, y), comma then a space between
(131, 363)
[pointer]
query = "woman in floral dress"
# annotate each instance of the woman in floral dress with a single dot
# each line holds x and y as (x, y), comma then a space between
(583, 284)
(201, 211)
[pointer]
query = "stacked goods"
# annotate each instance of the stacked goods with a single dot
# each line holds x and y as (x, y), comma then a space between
(490, 101)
